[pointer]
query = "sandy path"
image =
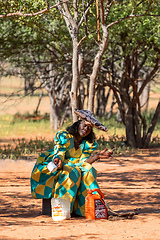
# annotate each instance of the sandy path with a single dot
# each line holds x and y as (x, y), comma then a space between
(129, 183)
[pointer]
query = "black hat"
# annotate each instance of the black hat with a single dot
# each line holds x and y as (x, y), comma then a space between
(88, 116)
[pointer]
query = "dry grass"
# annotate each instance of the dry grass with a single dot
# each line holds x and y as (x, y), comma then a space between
(11, 104)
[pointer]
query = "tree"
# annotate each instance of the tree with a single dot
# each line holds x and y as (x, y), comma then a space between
(78, 18)
(134, 57)
(74, 15)
(39, 52)
(127, 9)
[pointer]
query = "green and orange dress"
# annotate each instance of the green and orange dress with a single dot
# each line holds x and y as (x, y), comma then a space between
(75, 177)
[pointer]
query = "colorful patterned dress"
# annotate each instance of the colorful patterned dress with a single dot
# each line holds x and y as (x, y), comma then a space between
(75, 177)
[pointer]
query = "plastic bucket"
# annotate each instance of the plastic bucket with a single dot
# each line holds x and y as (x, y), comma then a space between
(60, 208)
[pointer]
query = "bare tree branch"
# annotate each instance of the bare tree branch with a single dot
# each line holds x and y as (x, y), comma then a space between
(32, 14)
(108, 8)
(152, 126)
(130, 16)
(81, 41)
(149, 76)
(75, 10)
(47, 4)
(85, 13)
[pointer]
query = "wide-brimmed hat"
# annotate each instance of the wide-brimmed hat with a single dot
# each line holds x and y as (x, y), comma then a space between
(86, 115)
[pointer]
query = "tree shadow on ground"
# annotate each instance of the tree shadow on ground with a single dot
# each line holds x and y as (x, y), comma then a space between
(138, 190)
(142, 157)
(131, 189)
(19, 205)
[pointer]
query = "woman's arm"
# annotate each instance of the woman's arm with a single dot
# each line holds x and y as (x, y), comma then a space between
(62, 142)
(101, 155)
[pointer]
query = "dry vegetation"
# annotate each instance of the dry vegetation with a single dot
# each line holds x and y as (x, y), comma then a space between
(10, 104)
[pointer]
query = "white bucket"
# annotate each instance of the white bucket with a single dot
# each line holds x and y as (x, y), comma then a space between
(60, 208)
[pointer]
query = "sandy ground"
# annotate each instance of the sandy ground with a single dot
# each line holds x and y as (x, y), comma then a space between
(129, 183)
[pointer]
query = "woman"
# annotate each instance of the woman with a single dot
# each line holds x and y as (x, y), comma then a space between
(72, 154)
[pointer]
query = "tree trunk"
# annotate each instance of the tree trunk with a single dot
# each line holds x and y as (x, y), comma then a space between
(102, 101)
(72, 25)
(137, 126)
(111, 108)
(130, 131)
(54, 116)
(39, 101)
(96, 67)
(152, 126)
(144, 97)
(75, 79)
(119, 119)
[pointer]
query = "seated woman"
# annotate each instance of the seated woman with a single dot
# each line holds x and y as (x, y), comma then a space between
(72, 153)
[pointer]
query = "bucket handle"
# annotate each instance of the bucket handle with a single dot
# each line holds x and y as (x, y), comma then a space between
(99, 191)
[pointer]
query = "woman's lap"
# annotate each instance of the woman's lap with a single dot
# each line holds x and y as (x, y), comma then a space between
(72, 180)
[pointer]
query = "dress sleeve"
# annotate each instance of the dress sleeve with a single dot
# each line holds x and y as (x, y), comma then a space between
(62, 143)
(87, 150)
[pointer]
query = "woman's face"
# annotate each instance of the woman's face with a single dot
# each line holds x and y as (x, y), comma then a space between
(84, 129)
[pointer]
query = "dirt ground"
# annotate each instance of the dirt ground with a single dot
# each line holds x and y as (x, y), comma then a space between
(129, 183)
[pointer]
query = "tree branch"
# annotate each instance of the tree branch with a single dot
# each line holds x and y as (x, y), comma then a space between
(109, 5)
(152, 125)
(85, 13)
(40, 73)
(32, 14)
(81, 41)
(149, 76)
(75, 10)
(130, 16)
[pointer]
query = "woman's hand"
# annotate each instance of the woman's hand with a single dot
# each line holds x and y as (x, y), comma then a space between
(58, 162)
(101, 155)
(104, 154)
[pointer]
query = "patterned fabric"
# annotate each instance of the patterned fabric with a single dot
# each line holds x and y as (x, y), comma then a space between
(75, 177)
